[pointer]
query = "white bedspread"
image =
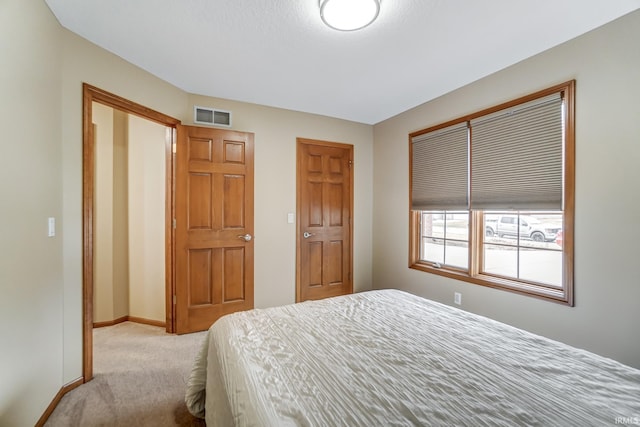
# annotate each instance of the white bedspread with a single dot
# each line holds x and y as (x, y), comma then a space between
(388, 358)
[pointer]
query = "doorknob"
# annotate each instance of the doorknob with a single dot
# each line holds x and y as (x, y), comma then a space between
(246, 237)
(306, 234)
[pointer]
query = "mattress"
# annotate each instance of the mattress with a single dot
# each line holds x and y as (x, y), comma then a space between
(389, 358)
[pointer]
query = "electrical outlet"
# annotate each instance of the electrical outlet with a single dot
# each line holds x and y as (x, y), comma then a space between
(457, 298)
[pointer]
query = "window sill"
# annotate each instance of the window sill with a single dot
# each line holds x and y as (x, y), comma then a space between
(559, 296)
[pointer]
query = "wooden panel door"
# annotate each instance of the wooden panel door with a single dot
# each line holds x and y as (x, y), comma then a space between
(214, 225)
(325, 204)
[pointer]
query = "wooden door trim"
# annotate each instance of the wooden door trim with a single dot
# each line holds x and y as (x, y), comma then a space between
(306, 141)
(92, 94)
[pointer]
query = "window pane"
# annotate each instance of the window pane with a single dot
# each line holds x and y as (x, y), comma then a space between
(457, 254)
(541, 266)
(540, 230)
(501, 260)
(500, 229)
(524, 246)
(433, 250)
(437, 224)
(535, 230)
(445, 238)
(457, 226)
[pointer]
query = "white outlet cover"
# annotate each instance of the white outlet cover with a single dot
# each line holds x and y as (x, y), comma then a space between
(457, 298)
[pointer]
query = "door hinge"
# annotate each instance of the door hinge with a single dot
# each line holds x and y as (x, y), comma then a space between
(174, 300)
(350, 163)
(175, 223)
(174, 148)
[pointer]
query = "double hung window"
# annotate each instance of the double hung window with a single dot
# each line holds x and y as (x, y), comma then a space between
(492, 196)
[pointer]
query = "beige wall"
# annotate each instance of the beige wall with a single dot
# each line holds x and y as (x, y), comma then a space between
(120, 232)
(103, 214)
(85, 62)
(605, 319)
(146, 219)
(31, 264)
(110, 240)
(129, 224)
(276, 131)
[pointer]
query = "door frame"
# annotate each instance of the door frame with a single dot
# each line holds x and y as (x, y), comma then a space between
(92, 94)
(350, 147)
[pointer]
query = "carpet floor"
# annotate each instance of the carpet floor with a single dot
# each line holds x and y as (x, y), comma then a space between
(140, 377)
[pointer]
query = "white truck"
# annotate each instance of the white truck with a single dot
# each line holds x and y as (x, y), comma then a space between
(530, 228)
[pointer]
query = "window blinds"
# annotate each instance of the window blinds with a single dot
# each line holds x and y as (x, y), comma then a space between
(440, 169)
(517, 157)
(516, 161)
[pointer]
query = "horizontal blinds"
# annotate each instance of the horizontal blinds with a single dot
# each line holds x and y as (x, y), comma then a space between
(517, 157)
(440, 169)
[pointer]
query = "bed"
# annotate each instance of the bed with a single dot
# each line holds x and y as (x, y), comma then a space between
(389, 358)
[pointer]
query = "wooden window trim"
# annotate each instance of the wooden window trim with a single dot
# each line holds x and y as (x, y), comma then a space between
(565, 295)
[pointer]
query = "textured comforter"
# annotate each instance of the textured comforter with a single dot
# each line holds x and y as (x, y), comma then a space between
(388, 358)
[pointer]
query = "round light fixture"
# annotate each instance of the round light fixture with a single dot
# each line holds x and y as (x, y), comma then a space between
(349, 15)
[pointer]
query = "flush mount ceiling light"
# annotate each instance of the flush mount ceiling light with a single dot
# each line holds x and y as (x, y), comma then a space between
(349, 15)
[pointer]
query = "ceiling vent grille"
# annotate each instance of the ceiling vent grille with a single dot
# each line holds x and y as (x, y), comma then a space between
(211, 116)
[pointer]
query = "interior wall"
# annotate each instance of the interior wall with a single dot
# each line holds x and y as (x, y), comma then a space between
(31, 272)
(605, 64)
(103, 301)
(275, 132)
(83, 61)
(146, 219)
(121, 208)
(129, 246)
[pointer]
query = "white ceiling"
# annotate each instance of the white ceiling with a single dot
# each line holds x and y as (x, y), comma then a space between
(279, 53)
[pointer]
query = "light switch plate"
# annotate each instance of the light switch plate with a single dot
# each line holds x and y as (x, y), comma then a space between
(51, 227)
(291, 218)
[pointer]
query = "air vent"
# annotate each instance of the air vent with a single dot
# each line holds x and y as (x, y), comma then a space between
(211, 116)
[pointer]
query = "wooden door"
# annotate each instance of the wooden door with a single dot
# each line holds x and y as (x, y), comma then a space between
(325, 205)
(214, 225)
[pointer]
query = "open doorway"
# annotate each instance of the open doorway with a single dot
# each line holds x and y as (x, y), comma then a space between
(128, 222)
(93, 95)
(208, 215)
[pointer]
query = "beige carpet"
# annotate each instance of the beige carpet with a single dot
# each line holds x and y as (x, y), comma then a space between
(140, 376)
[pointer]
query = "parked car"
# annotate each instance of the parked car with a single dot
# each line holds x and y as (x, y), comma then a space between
(530, 228)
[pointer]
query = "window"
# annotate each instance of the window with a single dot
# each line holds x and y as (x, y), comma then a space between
(492, 196)
(523, 246)
(445, 238)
